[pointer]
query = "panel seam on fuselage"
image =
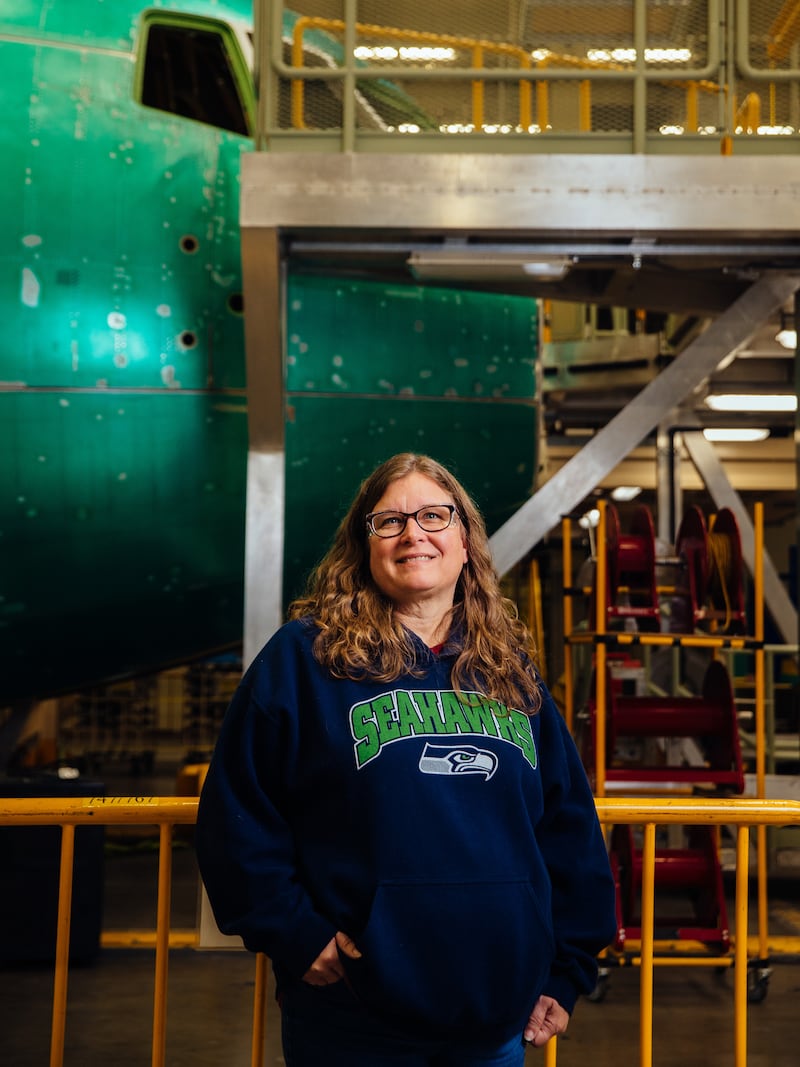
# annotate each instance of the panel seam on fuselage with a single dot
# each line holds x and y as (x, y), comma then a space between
(70, 46)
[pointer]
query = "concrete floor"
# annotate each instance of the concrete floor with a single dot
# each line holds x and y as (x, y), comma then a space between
(209, 1008)
(109, 1020)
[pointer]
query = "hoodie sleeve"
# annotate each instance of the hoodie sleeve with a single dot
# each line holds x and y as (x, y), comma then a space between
(575, 853)
(244, 844)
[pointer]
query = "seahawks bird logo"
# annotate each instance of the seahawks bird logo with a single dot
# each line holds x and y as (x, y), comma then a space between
(465, 759)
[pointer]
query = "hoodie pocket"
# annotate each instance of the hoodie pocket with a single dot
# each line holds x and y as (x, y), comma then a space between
(463, 957)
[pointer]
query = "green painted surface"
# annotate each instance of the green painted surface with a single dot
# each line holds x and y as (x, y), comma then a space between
(332, 445)
(120, 241)
(122, 413)
(121, 528)
(122, 374)
(365, 337)
(373, 370)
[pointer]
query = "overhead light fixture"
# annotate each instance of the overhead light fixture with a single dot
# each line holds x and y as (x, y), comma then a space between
(547, 269)
(787, 334)
(473, 263)
(624, 493)
(752, 401)
(742, 433)
(628, 55)
(786, 337)
(407, 53)
(579, 431)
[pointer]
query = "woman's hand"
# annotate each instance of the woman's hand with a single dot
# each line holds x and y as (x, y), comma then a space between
(327, 967)
(547, 1019)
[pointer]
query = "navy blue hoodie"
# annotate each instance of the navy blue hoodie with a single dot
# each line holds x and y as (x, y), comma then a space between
(454, 840)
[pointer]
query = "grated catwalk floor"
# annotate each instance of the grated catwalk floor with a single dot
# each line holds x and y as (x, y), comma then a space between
(209, 1007)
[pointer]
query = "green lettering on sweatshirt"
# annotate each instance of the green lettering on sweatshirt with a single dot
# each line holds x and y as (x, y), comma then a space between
(365, 733)
(398, 715)
(428, 705)
(524, 731)
(409, 720)
(453, 715)
(479, 718)
(385, 716)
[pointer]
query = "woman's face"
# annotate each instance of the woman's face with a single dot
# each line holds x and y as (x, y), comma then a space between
(417, 566)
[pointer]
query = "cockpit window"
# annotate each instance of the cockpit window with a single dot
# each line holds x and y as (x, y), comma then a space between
(190, 72)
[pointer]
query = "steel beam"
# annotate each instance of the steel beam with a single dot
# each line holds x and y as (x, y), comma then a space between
(265, 504)
(588, 197)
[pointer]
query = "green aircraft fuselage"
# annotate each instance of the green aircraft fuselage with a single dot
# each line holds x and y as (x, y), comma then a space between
(122, 411)
(123, 421)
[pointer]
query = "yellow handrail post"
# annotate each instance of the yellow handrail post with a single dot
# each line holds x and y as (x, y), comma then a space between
(298, 87)
(760, 723)
(535, 620)
(259, 1012)
(692, 113)
(477, 88)
(585, 106)
(162, 944)
(66, 865)
(525, 96)
(566, 555)
(542, 105)
(740, 947)
(601, 696)
(648, 936)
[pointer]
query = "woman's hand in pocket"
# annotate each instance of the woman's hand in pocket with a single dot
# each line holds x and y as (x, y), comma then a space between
(327, 967)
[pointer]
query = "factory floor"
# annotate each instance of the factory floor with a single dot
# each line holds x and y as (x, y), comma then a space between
(210, 992)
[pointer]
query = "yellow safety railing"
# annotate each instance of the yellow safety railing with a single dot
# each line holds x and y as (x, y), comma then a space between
(709, 641)
(164, 812)
(168, 812)
(478, 48)
(784, 32)
(735, 48)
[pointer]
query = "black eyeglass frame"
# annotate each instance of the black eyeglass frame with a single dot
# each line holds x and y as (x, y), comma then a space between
(370, 520)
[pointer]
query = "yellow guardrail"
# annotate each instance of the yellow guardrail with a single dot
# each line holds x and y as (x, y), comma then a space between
(478, 49)
(743, 69)
(168, 812)
(164, 812)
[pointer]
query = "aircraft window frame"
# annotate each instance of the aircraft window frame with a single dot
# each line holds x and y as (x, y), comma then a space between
(233, 110)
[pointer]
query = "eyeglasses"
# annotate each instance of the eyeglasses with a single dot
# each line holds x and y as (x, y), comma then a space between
(432, 518)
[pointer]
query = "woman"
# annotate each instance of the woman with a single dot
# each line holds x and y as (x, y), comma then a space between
(395, 812)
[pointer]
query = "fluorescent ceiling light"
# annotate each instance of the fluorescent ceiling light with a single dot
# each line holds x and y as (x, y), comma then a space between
(625, 492)
(547, 269)
(473, 263)
(579, 431)
(752, 402)
(628, 55)
(408, 53)
(743, 433)
(787, 338)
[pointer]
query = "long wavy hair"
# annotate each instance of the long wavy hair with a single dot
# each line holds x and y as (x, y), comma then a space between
(359, 635)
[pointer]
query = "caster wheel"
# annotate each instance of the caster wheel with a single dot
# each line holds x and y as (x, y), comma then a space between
(600, 990)
(757, 985)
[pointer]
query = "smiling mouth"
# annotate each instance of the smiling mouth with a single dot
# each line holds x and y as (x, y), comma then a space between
(415, 559)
